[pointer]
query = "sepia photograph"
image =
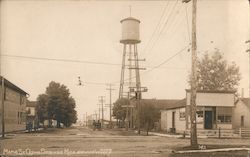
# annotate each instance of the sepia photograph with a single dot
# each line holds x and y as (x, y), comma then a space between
(125, 78)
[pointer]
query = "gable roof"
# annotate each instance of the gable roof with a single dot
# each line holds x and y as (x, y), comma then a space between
(212, 91)
(164, 104)
(10, 85)
(246, 101)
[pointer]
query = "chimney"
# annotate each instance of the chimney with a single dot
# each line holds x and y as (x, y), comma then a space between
(242, 92)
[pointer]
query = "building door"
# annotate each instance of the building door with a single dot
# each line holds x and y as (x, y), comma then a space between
(208, 120)
(242, 121)
(173, 119)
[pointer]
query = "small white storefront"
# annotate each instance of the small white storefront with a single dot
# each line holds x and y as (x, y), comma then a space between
(214, 110)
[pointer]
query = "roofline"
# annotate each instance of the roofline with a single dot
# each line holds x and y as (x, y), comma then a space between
(241, 99)
(130, 18)
(215, 91)
(173, 108)
(12, 86)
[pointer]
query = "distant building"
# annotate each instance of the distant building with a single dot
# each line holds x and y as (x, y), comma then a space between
(15, 100)
(241, 112)
(31, 116)
(173, 116)
(160, 104)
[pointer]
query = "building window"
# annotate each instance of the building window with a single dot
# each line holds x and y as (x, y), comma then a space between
(224, 119)
(224, 114)
(18, 118)
(21, 100)
(182, 114)
(5, 93)
(199, 114)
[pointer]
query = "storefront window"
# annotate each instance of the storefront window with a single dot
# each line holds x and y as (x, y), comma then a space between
(224, 115)
(199, 114)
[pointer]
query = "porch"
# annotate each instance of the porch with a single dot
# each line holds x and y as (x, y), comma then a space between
(213, 118)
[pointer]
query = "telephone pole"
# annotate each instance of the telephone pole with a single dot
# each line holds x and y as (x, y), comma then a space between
(95, 115)
(86, 119)
(101, 99)
(110, 104)
(193, 139)
(99, 111)
(248, 50)
(2, 98)
(2, 106)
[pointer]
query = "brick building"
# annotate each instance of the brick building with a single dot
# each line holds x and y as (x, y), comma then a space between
(15, 100)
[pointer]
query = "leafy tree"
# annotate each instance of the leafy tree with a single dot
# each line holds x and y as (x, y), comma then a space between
(70, 115)
(60, 106)
(215, 74)
(119, 112)
(148, 116)
(42, 107)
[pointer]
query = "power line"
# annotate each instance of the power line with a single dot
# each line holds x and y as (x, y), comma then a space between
(188, 30)
(175, 25)
(59, 60)
(78, 61)
(157, 27)
(159, 65)
(174, 7)
(167, 60)
(163, 28)
(101, 63)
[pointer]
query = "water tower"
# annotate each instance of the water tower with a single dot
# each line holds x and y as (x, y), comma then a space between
(130, 38)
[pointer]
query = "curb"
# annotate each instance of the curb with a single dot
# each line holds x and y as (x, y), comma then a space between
(174, 136)
(212, 150)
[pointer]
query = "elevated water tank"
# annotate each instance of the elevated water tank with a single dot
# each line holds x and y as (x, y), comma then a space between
(130, 31)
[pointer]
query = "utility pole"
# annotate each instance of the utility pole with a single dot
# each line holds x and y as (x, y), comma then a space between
(249, 50)
(193, 138)
(2, 98)
(99, 111)
(2, 106)
(95, 115)
(110, 105)
(86, 119)
(101, 99)
(83, 119)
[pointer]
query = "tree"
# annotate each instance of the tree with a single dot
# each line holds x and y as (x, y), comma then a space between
(215, 74)
(42, 108)
(148, 116)
(119, 112)
(58, 104)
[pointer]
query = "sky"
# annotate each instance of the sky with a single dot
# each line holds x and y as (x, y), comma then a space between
(89, 32)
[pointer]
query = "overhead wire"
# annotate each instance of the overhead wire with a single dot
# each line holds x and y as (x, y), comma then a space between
(157, 27)
(74, 61)
(167, 60)
(159, 65)
(59, 60)
(115, 64)
(162, 29)
(188, 29)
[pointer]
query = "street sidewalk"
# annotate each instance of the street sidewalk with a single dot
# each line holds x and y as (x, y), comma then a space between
(169, 135)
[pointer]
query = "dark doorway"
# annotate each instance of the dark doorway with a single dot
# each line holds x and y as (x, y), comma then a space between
(208, 120)
(242, 121)
(173, 119)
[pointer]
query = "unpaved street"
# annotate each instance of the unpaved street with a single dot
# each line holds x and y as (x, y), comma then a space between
(121, 143)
